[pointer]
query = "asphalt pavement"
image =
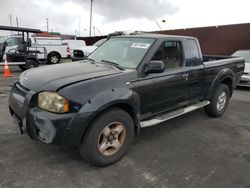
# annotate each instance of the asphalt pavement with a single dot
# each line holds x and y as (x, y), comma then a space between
(189, 151)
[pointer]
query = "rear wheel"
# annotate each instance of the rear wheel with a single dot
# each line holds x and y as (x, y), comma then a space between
(54, 58)
(108, 138)
(219, 102)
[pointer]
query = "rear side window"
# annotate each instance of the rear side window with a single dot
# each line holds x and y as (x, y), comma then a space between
(192, 53)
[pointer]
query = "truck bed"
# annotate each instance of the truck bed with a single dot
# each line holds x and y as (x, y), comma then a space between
(216, 65)
(207, 58)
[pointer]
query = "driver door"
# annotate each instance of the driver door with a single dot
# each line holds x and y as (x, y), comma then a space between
(167, 90)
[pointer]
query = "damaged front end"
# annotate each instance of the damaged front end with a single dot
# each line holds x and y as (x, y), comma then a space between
(39, 124)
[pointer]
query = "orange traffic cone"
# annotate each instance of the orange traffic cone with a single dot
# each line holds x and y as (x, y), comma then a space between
(6, 67)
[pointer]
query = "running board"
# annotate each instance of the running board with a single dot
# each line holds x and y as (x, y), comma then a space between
(170, 115)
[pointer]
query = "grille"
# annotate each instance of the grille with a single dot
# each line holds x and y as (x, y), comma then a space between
(19, 92)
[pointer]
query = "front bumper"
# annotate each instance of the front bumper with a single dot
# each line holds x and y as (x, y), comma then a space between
(245, 80)
(47, 127)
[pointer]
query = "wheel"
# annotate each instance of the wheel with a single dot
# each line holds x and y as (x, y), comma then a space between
(54, 58)
(219, 102)
(28, 65)
(108, 138)
(31, 64)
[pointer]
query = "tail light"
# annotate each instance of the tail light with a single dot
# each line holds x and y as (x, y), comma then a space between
(68, 49)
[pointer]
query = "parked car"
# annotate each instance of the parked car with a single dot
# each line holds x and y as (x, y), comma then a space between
(54, 47)
(82, 52)
(126, 84)
(245, 78)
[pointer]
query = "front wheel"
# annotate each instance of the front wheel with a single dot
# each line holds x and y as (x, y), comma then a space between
(219, 102)
(108, 138)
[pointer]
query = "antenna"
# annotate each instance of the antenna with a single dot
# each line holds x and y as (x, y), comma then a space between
(98, 31)
(158, 25)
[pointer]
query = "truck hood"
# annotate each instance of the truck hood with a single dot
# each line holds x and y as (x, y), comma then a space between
(247, 67)
(53, 77)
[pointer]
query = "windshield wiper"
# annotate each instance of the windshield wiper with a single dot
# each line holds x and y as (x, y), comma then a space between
(92, 60)
(112, 64)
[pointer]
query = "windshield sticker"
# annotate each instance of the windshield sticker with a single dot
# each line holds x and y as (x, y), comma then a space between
(140, 45)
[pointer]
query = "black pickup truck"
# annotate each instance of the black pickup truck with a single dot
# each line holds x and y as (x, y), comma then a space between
(128, 83)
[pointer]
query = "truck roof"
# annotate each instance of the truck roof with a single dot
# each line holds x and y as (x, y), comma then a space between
(157, 36)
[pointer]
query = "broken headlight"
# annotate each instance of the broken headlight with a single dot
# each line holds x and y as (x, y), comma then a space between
(53, 102)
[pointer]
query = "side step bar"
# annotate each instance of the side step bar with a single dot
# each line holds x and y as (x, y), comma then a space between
(170, 115)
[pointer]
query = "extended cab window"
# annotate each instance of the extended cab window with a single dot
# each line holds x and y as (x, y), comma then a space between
(170, 52)
(192, 53)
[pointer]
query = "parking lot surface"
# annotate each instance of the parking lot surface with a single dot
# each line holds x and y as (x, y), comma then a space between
(190, 151)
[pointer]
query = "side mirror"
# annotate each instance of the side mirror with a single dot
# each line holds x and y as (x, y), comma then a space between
(155, 67)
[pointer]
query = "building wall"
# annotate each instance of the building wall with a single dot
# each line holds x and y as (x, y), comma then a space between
(63, 36)
(220, 40)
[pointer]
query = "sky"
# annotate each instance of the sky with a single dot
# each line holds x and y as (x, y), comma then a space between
(72, 16)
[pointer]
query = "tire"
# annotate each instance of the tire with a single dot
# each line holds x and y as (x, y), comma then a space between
(28, 65)
(100, 144)
(54, 58)
(219, 102)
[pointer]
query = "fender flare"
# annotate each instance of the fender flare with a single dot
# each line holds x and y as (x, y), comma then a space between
(116, 97)
(225, 73)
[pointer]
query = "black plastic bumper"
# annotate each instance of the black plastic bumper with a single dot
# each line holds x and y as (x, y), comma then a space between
(50, 128)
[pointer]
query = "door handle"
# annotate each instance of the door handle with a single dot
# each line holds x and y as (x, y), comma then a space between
(185, 76)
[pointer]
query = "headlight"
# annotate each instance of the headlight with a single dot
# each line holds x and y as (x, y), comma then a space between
(53, 102)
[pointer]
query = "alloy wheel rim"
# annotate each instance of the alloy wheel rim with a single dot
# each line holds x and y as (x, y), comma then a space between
(112, 138)
(54, 59)
(222, 99)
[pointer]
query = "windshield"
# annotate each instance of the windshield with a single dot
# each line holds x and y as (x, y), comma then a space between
(125, 52)
(245, 54)
(3, 39)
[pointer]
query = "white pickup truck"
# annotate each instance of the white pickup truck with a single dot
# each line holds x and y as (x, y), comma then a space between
(54, 47)
(82, 52)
